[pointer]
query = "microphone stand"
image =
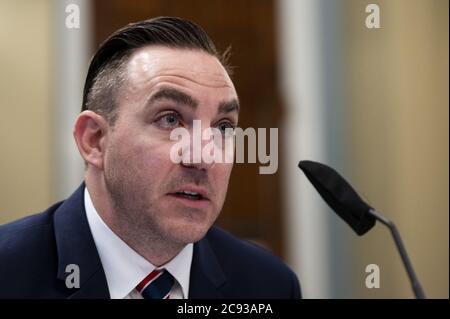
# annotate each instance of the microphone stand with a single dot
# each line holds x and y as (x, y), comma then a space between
(417, 288)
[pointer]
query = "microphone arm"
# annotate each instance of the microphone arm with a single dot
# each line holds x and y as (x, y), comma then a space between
(417, 288)
(344, 200)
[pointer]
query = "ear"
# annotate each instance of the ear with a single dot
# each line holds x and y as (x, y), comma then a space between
(90, 132)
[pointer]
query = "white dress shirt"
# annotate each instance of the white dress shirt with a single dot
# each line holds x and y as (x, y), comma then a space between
(125, 268)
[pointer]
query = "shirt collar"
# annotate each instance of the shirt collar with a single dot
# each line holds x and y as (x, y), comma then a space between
(124, 267)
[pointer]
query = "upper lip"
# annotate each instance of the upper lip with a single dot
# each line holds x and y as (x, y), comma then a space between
(193, 189)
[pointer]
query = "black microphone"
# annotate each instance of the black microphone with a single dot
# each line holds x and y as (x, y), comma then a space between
(344, 200)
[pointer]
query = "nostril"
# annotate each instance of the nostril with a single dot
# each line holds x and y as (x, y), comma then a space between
(198, 166)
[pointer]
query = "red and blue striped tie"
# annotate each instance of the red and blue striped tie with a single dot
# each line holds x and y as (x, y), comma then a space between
(156, 285)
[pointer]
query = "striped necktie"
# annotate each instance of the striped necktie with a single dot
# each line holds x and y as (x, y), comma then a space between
(156, 285)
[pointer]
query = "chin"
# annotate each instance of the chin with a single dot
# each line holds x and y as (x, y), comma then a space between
(188, 233)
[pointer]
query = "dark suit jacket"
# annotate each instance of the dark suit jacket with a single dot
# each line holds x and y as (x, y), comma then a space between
(35, 251)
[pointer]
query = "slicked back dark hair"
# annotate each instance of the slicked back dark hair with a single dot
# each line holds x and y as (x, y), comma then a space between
(106, 72)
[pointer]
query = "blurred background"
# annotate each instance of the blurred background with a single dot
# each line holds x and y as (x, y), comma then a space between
(372, 103)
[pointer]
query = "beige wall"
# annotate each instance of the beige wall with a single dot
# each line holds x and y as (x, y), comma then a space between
(25, 57)
(397, 88)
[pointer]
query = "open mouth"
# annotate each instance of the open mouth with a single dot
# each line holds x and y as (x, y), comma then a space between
(189, 195)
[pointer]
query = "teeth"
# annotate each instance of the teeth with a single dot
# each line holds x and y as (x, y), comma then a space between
(191, 193)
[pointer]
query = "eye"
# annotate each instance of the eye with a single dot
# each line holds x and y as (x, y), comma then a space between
(223, 126)
(169, 120)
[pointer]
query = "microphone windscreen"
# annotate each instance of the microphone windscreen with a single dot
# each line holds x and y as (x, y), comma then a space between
(339, 195)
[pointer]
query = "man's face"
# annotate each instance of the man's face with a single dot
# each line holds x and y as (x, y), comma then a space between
(168, 88)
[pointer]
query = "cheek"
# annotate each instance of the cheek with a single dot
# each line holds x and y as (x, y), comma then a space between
(222, 176)
(142, 155)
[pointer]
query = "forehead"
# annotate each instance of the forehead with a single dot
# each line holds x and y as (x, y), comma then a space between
(153, 64)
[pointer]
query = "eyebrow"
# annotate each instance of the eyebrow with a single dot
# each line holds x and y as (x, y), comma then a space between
(174, 95)
(228, 107)
(178, 96)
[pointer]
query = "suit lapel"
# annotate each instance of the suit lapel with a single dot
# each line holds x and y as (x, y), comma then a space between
(207, 277)
(75, 245)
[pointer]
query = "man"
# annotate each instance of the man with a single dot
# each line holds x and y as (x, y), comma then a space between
(141, 225)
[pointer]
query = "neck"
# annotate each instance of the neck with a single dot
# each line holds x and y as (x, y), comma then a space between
(144, 240)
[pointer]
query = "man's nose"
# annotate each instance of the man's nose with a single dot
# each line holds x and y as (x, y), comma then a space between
(193, 153)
